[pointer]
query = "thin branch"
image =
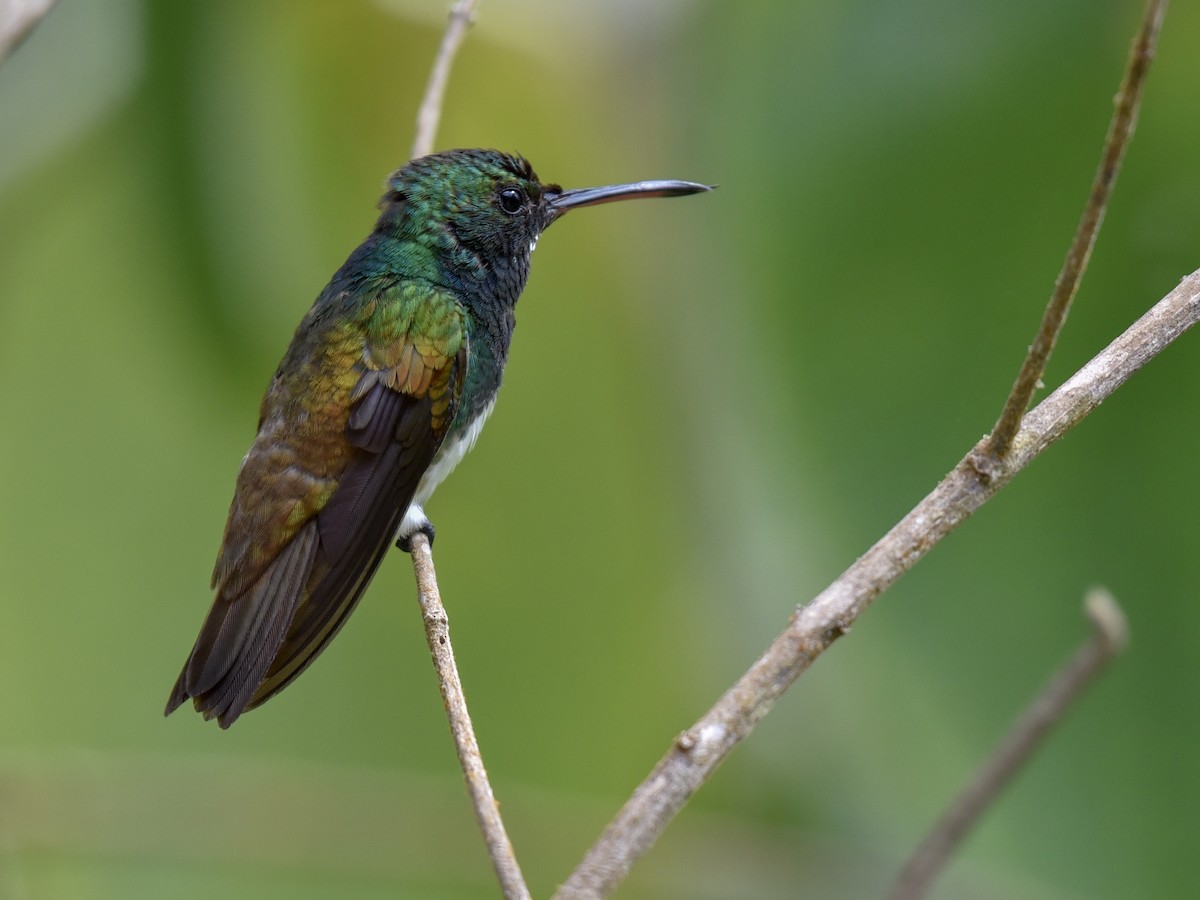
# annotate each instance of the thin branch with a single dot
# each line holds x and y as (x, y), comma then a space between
(1109, 635)
(430, 112)
(437, 632)
(17, 19)
(698, 751)
(437, 624)
(1120, 130)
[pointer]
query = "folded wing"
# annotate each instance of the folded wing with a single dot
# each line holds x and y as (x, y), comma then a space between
(339, 455)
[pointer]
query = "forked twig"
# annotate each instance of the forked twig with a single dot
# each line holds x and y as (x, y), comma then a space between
(979, 475)
(1109, 636)
(1120, 130)
(702, 748)
(437, 632)
(430, 112)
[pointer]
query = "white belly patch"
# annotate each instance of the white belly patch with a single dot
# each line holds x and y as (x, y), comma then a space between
(443, 464)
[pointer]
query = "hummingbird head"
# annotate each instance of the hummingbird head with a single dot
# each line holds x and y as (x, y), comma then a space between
(480, 208)
(483, 201)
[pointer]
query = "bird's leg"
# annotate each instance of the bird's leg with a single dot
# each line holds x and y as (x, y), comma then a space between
(405, 543)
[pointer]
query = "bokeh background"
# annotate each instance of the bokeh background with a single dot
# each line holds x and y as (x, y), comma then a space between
(712, 407)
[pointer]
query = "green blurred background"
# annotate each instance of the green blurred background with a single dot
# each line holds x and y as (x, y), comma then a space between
(713, 406)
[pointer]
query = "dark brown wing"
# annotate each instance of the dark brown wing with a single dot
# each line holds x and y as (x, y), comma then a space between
(261, 634)
(237, 641)
(358, 525)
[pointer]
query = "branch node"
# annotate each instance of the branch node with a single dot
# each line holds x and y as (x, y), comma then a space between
(984, 463)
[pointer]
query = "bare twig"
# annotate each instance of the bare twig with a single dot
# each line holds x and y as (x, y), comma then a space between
(17, 19)
(437, 624)
(430, 112)
(1109, 635)
(1120, 130)
(698, 751)
(437, 632)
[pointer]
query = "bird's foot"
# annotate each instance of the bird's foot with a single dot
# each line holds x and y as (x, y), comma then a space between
(405, 542)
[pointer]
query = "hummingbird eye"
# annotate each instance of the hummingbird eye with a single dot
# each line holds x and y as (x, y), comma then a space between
(512, 200)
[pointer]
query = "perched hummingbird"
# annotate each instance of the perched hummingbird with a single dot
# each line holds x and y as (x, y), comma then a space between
(385, 387)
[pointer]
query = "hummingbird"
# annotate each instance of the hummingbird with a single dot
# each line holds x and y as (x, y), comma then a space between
(386, 385)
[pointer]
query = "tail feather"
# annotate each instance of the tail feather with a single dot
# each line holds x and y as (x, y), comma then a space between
(242, 635)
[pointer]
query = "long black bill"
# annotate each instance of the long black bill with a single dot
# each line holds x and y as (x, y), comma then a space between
(561, 201)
